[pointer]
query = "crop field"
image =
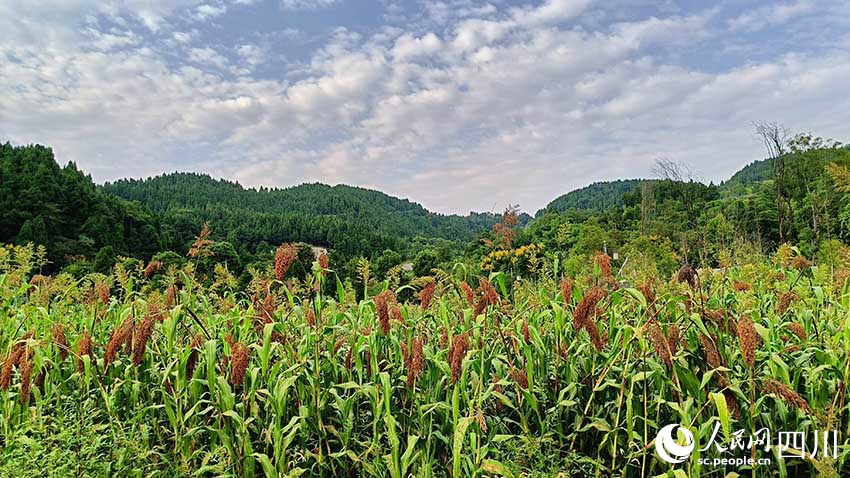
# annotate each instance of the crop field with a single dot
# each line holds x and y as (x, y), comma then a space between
(145, 372)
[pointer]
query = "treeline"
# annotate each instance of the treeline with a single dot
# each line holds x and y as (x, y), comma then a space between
(85, 228)
(650, 227)
(665, 222)
(353, 221)
(61, 209)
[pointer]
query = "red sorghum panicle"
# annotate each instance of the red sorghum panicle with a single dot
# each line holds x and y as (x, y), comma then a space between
(84, 348)
(12, 360)
(152, 268)
(26, 364)
(140, 340)
(102, 291)
(659, 342)
(426, 294)
(395, 313)
(192, 361)
(467, 293)
(584, 314)
(309, 314)
(415, 362)
(39, 280)
(800, 263)
(520, 377)
(268, 309)
(711, 354)
(383, 302)
(566, 289)
(750, 340)
(742, 286)
(170, 295)
(787, 395)
(726, 324)
(526, 335)
(40, 378)
(687, 275)
(647, 290)
(488, 296)
(349, 357)
(202, 243)
(497, 387)
(458, 351)
(715, 315)
(674, 338)
(119, 337)
(239, 363)
(283, 259)
(586, 307)
(604, 262)
(58, 332)
(732, 403)
(324, 262)
(488, 291)
(785, 301)
(596, 339)
(338, 344)
(798, 330)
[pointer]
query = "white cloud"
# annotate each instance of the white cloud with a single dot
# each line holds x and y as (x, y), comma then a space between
(492, 108)
(408, 46)
(207, 56)
(771, 15)
(306, 4)
(182, 37)
(207, 11)
(251, 55)
(552, 11)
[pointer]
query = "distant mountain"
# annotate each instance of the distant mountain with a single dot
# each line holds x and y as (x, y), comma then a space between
(754, 172)
(343, 217)
(598, 196)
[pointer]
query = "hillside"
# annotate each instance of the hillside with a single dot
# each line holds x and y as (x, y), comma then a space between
(754, 172)
(596, 197)
(343, 217)
(60, 208)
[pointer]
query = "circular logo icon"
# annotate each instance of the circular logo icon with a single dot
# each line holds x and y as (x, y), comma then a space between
(667, 446)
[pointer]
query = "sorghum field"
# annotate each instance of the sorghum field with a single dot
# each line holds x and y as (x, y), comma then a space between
(124, 375)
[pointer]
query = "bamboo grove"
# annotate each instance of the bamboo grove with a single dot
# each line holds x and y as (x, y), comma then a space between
(468, 376)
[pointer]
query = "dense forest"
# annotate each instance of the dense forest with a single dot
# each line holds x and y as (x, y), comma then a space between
(61, 209)
(597, 197)
(794, 196)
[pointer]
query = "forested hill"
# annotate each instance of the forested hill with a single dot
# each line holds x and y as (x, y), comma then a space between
(61, 209)
(596, 197)
(749, 175)
(353, 208)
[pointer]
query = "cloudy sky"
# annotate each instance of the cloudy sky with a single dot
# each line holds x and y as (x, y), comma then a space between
(457, 104)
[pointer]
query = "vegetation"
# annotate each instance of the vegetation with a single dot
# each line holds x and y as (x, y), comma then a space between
(597, 197)
(381, 340)
(62, 210)
(148, 372)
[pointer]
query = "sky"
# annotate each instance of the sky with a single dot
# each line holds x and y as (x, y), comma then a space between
(459, 105)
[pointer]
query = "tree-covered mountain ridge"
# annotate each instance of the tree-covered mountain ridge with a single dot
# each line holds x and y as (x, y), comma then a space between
(602, 195)
(177, 191)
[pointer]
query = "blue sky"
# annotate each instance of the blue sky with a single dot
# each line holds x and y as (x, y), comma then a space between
(457, 104)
